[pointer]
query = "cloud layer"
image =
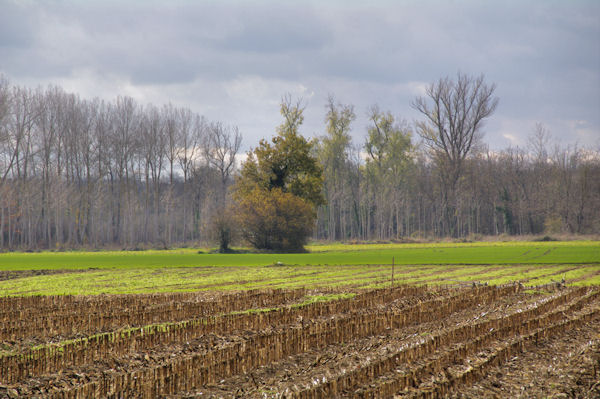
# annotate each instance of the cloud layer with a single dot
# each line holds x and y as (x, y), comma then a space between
(234, 60)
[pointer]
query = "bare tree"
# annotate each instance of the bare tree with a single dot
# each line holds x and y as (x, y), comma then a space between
(333, 152)
(454, 113)
(220, 148)
(6, 157)
(172, 132)
(7, 140)
(538, 142)
(4, 108)
(124, 144)
(153, 150)
(193, 130)
(221, 145)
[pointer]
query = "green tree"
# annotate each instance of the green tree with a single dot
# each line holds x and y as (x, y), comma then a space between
(389, 158)
(280, 187)
(275, 220)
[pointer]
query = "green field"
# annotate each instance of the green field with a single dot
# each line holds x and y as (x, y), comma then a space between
(535, 263)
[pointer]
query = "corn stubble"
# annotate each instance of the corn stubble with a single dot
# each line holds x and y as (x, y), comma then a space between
(405, 341)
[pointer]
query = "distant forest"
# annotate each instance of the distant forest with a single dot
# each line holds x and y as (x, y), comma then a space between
(90, 173)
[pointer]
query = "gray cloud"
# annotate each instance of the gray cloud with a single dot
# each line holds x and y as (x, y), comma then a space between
(543, 56)
(15, 28)
(274, 29)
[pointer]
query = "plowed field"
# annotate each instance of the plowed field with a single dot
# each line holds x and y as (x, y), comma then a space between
(405, 342)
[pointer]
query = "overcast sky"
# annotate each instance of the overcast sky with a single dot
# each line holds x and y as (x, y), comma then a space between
(233, 60)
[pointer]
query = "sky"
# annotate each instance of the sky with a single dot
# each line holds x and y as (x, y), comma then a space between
(233, 61)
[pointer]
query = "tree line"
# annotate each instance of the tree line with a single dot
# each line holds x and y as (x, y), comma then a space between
(444, 181)
(79, 172)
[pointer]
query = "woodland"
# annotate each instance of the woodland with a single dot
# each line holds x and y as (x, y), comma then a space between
(91, 173)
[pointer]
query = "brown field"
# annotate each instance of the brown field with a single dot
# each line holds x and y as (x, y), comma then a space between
(405, 342)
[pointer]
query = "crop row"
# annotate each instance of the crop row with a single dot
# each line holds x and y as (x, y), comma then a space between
(82, 351)
(508, 351)
(105, 315)
(476, 336)
(190, 371)
(527, 335)
(27, 306)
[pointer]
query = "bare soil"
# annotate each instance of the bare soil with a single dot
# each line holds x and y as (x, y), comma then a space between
(406, 342)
